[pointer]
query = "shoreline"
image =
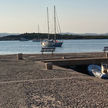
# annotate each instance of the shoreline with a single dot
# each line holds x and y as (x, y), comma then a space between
(31, 36)
(55, 53)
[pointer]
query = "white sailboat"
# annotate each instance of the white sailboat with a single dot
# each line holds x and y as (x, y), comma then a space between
(48, 43)
(53, 42)
(57, 43)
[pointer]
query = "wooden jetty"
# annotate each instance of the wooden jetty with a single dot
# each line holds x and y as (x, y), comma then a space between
(78, 61)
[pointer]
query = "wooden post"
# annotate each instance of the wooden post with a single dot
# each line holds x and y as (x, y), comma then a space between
(52, 52)
(106, 54)
(63, 57)
(19, 56)
(48, 66)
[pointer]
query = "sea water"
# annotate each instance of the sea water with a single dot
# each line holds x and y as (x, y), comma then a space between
(69, 46)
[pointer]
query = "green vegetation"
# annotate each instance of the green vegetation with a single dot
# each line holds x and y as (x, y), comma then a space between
(42, 36)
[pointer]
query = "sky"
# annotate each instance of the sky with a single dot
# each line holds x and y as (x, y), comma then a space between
(75, 16)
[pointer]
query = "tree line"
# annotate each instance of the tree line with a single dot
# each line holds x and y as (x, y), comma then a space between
(41, 36)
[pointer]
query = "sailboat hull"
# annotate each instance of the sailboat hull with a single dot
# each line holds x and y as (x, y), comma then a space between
(47, 44)
(23, 39)
(58, 44)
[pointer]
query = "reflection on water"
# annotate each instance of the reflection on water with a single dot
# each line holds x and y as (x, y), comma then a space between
(27, 47)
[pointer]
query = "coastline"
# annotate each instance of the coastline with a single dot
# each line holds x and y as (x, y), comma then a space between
(41, 36)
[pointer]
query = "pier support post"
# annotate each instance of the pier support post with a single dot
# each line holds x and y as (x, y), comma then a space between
(19, 56)
(49, 66)
(63, 57)
(106, 54)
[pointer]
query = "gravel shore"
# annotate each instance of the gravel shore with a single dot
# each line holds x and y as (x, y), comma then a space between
(27, 84)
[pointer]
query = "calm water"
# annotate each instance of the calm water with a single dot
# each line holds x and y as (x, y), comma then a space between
(27, 47)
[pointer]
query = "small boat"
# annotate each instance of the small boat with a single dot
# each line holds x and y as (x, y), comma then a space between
(98, 71)
(23, 39)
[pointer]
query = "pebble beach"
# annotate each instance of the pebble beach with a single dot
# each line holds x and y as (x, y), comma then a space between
(27, 84)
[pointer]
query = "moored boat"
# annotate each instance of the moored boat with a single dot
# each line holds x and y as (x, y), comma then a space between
(57, 43)
(54, 42)
(23, 39)
(98, 71)
(47, 43)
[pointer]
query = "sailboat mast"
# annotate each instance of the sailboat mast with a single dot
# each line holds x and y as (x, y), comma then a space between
(48, 22)
(38, 28)
(54, 23)
(38, 31)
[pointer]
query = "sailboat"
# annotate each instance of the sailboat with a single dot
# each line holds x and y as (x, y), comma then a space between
(57, 43)
(48, 43)
(37, 39)
(53, 42)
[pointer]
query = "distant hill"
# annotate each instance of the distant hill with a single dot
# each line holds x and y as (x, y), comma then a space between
(66, 33)
(30, 36)
(7, 34)
(85, 34)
